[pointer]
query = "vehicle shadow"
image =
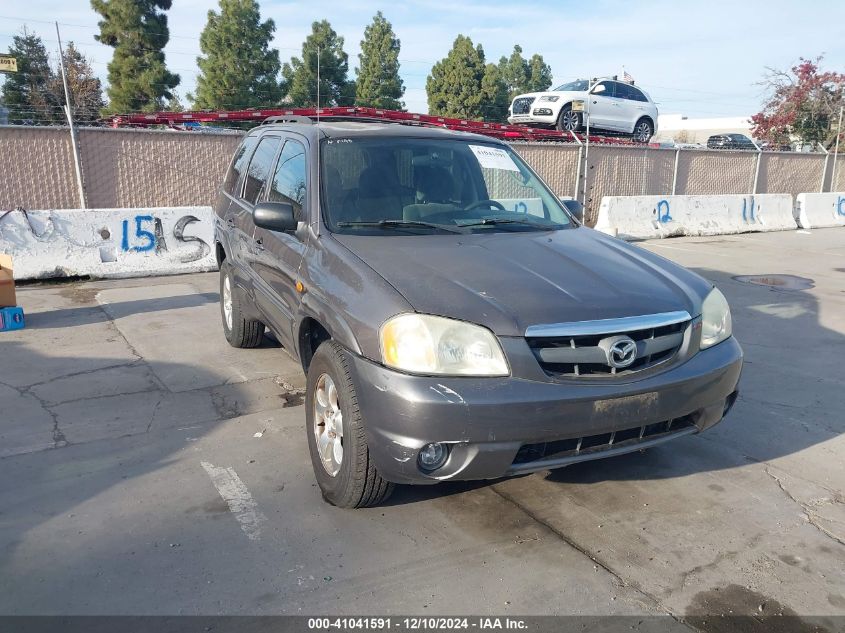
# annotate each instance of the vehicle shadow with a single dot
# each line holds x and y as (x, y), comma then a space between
(89, 314)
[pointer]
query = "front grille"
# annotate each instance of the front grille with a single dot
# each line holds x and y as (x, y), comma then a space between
(522, 105)
(577, 446)
(582, 355)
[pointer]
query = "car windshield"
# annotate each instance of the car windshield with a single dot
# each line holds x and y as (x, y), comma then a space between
(579, 85)
(414, 186)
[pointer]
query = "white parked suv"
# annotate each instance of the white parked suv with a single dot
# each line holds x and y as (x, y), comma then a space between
(614, 106)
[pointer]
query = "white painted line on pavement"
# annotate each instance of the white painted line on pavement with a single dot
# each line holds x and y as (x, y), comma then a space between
(236, 495)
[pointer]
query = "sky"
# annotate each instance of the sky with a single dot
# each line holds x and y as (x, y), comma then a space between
(699, 59)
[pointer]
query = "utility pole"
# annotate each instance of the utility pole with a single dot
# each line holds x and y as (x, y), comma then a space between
(590, 87)
(836, 150)
(318, 84)
(69, 115)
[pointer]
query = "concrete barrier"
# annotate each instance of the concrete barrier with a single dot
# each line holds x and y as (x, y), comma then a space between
(109, 242)
(645, 217)
(819, 210)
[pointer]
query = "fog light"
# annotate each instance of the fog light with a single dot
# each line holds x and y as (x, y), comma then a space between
(433, 456)
(542, 111)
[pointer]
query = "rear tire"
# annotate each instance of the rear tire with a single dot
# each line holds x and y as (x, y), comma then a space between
(643, 130)
(569, 121)
(239, 331)
(332, 417)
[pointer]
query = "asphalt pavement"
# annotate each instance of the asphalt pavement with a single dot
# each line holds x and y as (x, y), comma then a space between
(149, 468)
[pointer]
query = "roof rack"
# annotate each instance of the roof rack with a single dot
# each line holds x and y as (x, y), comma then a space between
(266, 116)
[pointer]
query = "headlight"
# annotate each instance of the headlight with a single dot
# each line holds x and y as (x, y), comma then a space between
(423, 344)
(551, 98)
(715, 319)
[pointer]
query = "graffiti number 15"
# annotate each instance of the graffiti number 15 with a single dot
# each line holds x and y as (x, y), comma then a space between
(146, 240)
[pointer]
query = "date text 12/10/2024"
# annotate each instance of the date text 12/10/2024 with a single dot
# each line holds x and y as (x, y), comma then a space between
(415, 624)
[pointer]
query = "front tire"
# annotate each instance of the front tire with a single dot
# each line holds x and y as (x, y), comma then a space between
(239, 331)
(643, 130)
(569, 121)
(341, 459)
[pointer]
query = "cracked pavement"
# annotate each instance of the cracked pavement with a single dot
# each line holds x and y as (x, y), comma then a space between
(118, 391)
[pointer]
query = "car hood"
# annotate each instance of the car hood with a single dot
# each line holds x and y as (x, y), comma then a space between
(564, 95)
(508, 281)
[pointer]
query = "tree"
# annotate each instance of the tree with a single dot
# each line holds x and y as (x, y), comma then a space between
(86, 91)
(27, 93)
(301, 74)
(239, 69)
(462, 85)
(803, 103)
(137, 30)
(521, 76)
(496, 92)
(379, 84)
(540, 74)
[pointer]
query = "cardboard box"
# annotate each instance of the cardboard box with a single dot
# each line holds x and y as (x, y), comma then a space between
(7, 282)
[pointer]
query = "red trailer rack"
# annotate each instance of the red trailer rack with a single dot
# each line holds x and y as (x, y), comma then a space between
(496, 130)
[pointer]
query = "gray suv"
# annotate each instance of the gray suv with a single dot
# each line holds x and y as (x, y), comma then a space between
(454, 319)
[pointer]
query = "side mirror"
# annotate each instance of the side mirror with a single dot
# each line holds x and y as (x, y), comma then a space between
(274, 216)
(575, 208)
(598, 89)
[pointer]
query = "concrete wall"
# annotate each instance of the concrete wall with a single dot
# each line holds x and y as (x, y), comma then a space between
(818, 210)
(645, 217)
(109, 242)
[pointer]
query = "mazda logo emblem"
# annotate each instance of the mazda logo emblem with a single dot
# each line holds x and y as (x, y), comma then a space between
(621, 351)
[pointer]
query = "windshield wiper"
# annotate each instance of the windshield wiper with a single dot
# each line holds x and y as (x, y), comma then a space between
(390, 224)
(486, 221)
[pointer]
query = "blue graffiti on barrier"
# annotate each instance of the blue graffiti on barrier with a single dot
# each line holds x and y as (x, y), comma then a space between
(745, 213)
(147, 238)
(665, 216)
(144, 240)
(840, 205)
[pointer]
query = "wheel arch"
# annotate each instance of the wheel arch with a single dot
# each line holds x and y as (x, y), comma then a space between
(313, 331)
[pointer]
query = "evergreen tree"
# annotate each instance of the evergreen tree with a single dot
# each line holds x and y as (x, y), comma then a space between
(540, 74)
(521, 75)
(137, 30)
(239, 69)
(301, 74)
(27, 93)
(86, 91)
(379, 84)
(495, 91)
(515, 72)
(462, 85)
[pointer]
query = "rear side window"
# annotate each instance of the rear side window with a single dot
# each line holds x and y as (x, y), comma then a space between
(623, 91)
(636, 94)
(259, 167)
(289, 179)
(239, 163)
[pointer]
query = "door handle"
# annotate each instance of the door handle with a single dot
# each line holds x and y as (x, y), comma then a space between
(230, 222)
(259, 243)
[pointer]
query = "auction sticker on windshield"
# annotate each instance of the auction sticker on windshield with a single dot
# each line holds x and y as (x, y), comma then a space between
(493, 158)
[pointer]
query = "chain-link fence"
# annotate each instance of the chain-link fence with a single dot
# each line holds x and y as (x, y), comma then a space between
(139, 168)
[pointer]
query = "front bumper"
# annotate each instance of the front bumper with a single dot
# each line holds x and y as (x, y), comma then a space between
(533, 119)
(486, 421)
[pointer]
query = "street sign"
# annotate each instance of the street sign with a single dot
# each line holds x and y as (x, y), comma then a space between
(8, 64)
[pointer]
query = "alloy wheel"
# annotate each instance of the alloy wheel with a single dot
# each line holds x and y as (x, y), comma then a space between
(328, 424)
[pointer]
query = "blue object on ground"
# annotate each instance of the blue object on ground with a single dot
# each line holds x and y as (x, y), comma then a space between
(11, 319)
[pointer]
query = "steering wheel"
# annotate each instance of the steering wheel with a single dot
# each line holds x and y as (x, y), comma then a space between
(489, 203)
